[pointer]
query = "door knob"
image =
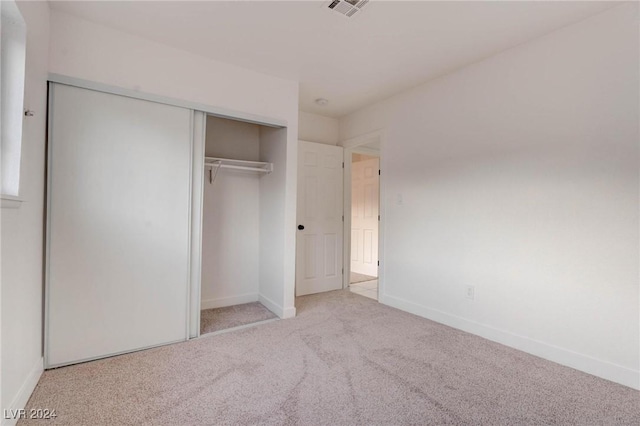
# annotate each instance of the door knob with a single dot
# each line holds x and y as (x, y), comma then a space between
(301, 227)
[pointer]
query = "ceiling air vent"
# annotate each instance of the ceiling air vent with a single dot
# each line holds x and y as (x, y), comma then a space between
(347, 7)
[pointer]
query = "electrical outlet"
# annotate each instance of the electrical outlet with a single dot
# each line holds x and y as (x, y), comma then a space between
(471, 292)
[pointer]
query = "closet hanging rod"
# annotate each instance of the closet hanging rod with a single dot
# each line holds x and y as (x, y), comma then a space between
(231, 160)
(227, 163)
(249, 169)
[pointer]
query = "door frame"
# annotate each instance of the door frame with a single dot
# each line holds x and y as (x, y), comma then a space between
(356, 146)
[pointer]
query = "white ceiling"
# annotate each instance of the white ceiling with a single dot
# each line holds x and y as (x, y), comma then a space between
(388, 47)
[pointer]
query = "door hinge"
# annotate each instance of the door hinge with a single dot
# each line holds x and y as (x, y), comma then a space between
(343, 270)
(378, 263)
(378, 217)
(343, 218)
(343, 164)
(378, 172)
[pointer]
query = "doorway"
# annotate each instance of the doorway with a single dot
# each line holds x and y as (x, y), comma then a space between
(237, 168)
(362, 216)
(365, 189)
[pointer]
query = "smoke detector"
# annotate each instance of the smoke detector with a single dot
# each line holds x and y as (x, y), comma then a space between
(347, 8)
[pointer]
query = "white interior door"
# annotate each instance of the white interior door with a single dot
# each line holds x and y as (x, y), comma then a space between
(365, 184)
(118, 224)
(319, 242)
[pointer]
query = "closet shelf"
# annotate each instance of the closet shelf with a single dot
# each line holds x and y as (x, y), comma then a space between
(249, 166)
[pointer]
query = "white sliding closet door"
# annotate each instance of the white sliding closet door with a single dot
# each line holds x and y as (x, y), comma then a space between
(118, 224)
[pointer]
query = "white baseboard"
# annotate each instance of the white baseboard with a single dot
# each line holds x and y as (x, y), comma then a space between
(229, 301)
(23, 395)
(289, 312)
(604, 369)
(282, 313)
(248, 298)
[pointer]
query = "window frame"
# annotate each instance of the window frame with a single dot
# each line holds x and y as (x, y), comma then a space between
(12, 85)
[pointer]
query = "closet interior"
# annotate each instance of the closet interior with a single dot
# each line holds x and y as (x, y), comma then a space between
(240, 160)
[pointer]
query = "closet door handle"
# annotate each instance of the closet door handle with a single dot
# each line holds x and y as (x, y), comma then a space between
(301, 227)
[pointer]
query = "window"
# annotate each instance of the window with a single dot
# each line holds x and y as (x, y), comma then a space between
(12, 63)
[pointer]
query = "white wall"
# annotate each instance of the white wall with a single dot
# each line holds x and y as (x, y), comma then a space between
(22, 229)
(272, 218)
(318, 128)
(231, 217)
(86, 50)
(519, 176)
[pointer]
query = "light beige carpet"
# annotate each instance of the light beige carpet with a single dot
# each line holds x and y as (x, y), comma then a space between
(233, 316)
(359, 278)
(344, 360)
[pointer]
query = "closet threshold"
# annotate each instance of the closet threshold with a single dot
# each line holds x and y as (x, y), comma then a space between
(244, 165)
